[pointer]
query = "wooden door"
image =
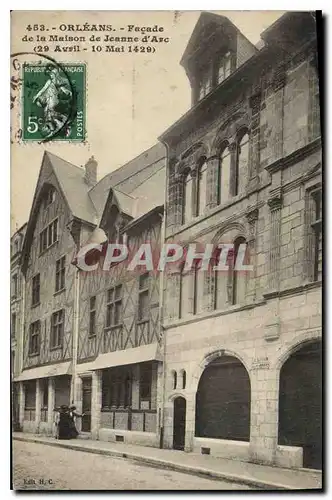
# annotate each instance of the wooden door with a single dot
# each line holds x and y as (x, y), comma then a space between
(179, 423)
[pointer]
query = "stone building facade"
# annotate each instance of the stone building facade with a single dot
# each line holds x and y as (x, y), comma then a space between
(243, 349)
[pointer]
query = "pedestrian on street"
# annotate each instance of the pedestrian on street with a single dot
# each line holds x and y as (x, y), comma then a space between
(64, 425)
(73, 415)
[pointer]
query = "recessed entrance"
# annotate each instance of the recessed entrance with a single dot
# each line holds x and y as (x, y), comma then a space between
(223, 401)
(179, 423)
(300, 403)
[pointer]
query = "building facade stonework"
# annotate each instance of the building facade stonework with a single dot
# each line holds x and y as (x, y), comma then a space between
(220, 362)
(245, 166)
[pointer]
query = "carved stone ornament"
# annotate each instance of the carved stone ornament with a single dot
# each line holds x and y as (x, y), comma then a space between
(275, 199)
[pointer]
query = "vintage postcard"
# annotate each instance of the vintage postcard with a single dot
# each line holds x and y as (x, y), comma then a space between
(166, 250)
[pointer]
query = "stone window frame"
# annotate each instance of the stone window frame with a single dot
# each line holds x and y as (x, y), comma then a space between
(200, 185)
(313, 229)
(224, 145)
(187, 180)
(241, 133)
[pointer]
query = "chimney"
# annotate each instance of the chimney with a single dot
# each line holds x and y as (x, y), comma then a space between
(90, 175)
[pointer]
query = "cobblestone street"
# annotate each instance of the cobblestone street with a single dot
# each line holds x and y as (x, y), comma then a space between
(40, 467)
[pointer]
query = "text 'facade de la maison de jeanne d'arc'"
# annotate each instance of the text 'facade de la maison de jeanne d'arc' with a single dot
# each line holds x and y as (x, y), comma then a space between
(222, 363)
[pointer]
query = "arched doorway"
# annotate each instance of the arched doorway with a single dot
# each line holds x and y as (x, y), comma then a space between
(223, 401)
(300, 403)
(179, 423)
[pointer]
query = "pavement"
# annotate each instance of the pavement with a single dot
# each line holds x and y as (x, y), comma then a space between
(254, 475)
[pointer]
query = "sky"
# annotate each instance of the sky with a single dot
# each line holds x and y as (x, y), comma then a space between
(123, 119)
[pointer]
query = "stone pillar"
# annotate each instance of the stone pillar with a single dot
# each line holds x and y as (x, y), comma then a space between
(264, 414)
(21, 403)
(135, 387)
(168, 425)
(233, 181)
(96, 400)
(173, 295)
(79, 401)
(194, 198)
(212, 182)
(38, 404)
(190, 420)
(252, 217)
(209, 290)
(154, 385)
(254, 157)
(51, 403)
(275, 203)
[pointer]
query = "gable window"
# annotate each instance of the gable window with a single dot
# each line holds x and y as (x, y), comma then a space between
(187, 198)
(50, 197)
(35, 290)
(34, 338)
(242, 162)
(114, 306)
(143, 297)
(60, 273)
(48, 236)
(57, 328)
(201, 188)
(15, 285)
(92, 317)
(224, 68)
(224, 173)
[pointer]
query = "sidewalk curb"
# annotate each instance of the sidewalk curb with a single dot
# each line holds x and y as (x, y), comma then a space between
(164, 463)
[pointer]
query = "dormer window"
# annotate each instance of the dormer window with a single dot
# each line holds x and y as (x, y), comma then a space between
(205, 86)
(224, 68)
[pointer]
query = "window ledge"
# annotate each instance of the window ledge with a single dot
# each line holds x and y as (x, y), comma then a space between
(58, 292)
(33, 306)
(46, 249)
(56, 348)
(212, 314)
(92, 336)
(112, 327)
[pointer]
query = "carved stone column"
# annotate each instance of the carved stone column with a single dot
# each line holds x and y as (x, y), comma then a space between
(212, 187)
(275, 203)
(252, 218)
(194, 199)
(254, 157)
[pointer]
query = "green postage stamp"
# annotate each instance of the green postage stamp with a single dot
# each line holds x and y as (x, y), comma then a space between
(54, 102)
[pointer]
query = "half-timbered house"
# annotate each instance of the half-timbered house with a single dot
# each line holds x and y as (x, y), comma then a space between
(243, 349)
(92, 339)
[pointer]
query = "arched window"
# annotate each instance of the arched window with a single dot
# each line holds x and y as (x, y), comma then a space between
(174, 379)
(242, 162)
(187, 198)
(238, 277)
(184, 379)
(201, 188)
(224, 173)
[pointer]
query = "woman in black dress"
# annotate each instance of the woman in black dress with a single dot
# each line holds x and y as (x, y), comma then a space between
(64, 425)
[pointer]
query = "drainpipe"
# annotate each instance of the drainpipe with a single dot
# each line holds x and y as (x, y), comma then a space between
(75, 336)
(161, 308)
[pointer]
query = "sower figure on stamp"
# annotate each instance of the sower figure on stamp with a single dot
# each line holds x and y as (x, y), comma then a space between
(52, 96)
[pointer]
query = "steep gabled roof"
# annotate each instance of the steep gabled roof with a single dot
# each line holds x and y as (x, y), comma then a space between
(74, 188)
